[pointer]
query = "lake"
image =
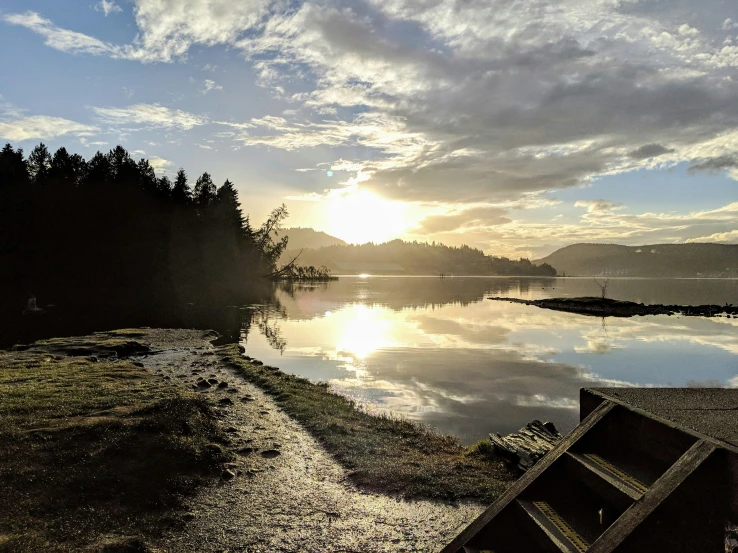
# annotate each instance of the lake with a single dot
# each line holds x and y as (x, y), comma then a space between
(437, 351)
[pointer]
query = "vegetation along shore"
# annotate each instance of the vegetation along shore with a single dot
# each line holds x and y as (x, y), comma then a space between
(156, 440)
(606, 307)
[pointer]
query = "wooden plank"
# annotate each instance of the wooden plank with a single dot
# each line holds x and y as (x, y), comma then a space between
(659, 491)
(562, 536)
(623, 482)
(512, 492)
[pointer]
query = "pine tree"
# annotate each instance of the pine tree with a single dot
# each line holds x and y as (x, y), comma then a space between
(204, 193)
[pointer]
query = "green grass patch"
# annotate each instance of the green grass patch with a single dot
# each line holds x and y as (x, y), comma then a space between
(382, 453)
(93, 448)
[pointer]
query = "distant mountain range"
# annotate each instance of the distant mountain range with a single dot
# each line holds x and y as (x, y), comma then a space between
(300, 238)
(413, 258)
(655, 260)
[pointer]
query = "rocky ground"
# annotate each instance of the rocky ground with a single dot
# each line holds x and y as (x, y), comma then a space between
(283, 492)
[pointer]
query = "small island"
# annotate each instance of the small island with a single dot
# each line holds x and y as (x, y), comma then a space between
(606, 307)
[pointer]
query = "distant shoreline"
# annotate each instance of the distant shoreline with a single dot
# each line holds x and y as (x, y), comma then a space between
(603, 307)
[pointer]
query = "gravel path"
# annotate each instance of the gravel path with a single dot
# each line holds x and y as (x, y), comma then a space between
(287, 494)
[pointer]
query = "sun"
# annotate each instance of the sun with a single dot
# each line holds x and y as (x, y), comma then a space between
(362, 217)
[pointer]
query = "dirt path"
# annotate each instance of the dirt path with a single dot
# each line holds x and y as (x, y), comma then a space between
(288, 494)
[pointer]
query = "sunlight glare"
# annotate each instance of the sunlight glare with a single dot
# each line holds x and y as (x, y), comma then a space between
(363, 217)
(364, 332)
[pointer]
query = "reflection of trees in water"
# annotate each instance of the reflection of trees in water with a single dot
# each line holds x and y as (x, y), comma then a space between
(291, 287)
(266, 317)
(399, 293)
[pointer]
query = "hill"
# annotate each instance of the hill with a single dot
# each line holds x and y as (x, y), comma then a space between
(655, 260)
(417, 258)
(300, 238)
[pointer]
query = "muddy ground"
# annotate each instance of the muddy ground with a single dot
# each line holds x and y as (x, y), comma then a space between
(283, 492)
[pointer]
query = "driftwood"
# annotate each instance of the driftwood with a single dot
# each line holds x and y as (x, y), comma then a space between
(528, 445)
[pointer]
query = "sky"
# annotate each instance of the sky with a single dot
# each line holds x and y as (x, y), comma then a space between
(517, 127)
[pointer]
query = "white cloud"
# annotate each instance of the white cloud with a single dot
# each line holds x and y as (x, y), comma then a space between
(107, 7)
(209, 85)
(160, 165)
(474, 103)
(598, 205)
(63, 39)
(42, 127)
(168, 28)
(150, 115)
(730, 237)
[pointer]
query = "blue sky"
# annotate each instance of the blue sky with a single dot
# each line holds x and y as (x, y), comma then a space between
(514, 127)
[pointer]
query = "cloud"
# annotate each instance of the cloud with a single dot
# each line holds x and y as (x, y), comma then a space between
(462, 220)
(209, 85)
(107, 7)
(149, 115)
(730, 237)
(465, 102)
(42, 127)
(169, 28)
(648, 151)
(714, 165)
(160, 165)
(63, 39)
(598, 205)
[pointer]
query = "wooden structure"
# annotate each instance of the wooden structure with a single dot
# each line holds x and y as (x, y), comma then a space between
(645, 470)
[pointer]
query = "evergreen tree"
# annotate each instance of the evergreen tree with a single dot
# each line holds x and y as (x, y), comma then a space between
(204, 193)
(181, 192)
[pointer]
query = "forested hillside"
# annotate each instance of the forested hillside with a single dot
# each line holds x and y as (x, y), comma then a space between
(656, 260)
(108, 232)
(301, 238)
(418, 258)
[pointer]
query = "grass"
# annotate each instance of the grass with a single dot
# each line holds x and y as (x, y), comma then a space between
(384, 454)
(93, 448)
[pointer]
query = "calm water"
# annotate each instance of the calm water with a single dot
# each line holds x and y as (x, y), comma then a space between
(437, 351)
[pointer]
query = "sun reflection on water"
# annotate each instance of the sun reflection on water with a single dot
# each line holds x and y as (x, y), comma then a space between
(363, 330)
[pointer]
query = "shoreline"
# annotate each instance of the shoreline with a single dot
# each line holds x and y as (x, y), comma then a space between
(604, 307)
(273, 467)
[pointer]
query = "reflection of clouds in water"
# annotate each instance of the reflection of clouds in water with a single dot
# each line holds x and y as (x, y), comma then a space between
(477, 393)
(594, 346)
(714, 332)
(469, 368)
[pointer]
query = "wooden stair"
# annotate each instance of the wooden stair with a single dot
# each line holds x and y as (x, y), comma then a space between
(622, 481)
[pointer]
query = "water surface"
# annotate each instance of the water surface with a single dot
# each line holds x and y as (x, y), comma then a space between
(435, 350)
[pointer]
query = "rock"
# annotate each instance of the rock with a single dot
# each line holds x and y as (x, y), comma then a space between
(227, 474)
(212, 381)
(200, 378)
(270, 453)
(245, 451)
(223, 385)
(204, 384)
(256, 362)
(232, 391)
(241, 349)
(231, 430)
(226, 401)
(137, 364)
(246, 399)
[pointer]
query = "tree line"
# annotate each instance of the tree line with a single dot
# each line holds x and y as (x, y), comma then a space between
(108, 232)
(424, 258)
